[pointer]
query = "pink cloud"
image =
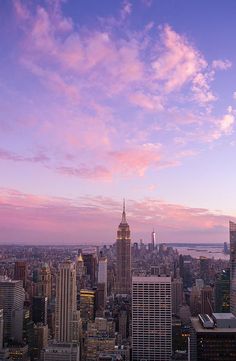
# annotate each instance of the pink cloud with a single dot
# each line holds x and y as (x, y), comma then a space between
(32, 219)
(136, 160)
(148, 102)
(221, 64)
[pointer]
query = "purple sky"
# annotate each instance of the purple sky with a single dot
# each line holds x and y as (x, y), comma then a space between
(102, 100)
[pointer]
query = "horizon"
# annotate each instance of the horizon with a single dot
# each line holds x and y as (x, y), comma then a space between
(112, 100)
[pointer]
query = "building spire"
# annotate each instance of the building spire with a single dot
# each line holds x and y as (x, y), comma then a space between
(123, 220)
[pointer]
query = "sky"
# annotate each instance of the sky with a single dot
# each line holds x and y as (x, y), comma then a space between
(105, 100)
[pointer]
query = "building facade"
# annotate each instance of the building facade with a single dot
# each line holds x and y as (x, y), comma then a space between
(151, 318)
(123, 260)
(66, 304)
(232, 236)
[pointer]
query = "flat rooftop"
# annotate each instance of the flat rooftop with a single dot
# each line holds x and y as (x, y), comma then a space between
(200, 329)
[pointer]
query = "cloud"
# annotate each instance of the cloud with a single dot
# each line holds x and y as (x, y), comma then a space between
(221, 64)
(106, 96)
(26, 218)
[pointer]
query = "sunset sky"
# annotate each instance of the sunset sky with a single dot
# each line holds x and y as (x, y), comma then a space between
(102, 100)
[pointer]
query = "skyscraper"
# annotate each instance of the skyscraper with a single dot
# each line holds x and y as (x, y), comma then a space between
(20, 271)
(232, 236)
(102, 270)
(66, 305)
(177, 294)
(90, 264)
(39, 309)
(123, 260)
(153, 239)
(12, 297)
(151, 318)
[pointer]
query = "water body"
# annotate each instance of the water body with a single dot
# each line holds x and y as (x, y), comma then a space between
(198, 251)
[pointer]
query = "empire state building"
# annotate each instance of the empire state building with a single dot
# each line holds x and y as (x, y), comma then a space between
(123, 260)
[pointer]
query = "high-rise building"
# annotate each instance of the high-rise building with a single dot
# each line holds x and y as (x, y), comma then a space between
(46, 282)
(232, 236)
(207, 300)
(205, 269)
(177, 294)
(222, 292)
(102, 271)
(67, 318)
(39, 309)
(79, 271)
(12, 298)
(1, 329)
(153, 240)
(123, 261)
(20, 272)
(87, 305)
(213, 338)
(90, 264)
(151, 318)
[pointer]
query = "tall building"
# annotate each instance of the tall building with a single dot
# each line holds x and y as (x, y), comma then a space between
(213, 338)
(123, 261)
(46, 282)
(222, 292)
(90, 264)
(102, 271)
(87, 305)
(67, 319)
(79, 272)
(207, 300)
(1, 329)
(153, 240)
(177, 294)
(20, 272)
(12, 298)
(232, 236)
(39, 309)
(205, 269)
(151, 318)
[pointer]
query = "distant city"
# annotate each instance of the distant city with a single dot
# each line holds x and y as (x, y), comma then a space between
(127, 302)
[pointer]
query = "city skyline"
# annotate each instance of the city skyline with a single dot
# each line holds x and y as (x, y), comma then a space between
(118, 99)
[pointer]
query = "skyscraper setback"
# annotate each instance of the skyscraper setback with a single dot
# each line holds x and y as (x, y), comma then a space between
(123, 260)
(232, 236)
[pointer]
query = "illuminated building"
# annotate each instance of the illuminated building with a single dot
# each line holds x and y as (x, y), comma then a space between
(123, 250)
(232, 236)
(213, 338)
(87, 305)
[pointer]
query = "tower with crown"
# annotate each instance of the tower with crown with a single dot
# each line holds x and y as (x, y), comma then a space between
(123, 258)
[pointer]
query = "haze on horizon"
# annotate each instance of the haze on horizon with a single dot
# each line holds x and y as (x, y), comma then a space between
(105, 100)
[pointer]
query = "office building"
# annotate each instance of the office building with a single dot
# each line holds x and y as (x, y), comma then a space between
(206, 299)
(90, 265)
(177, 294)
(102, 272)
(222, 292)
(39, 309)
(12, 298)
(20, 272)
(213, 338)
(232, 236)
(67, 316)
(123, 261)
(87, 305)
(151, 318)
